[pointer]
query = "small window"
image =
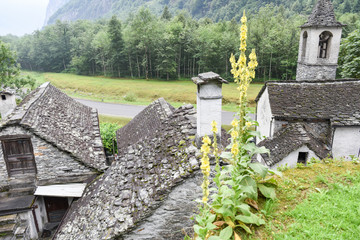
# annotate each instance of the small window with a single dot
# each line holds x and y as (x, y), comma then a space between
(3, 97)
(303, 50)
(324, 44)
(302, 158)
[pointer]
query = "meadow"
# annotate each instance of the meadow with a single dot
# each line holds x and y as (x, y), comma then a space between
(137, 91)
(318, 201)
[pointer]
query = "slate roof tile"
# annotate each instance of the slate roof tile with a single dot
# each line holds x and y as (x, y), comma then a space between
(290, 139)
(62, 121)
(323, 15)
(337, 100)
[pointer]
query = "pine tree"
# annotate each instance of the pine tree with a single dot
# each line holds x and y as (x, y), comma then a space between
(116, 45)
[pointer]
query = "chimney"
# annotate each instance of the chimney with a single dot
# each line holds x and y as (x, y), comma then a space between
(209, 98)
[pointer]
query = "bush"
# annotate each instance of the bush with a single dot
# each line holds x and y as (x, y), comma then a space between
(108, 135)
(130, 97)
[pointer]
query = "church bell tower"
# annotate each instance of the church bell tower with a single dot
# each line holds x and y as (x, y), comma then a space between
(319, 44)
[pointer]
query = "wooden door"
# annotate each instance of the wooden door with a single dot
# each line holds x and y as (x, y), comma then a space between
(19, 156)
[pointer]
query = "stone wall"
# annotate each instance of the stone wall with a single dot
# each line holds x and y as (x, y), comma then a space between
(53, 166)
(139, 183)
(315, 72)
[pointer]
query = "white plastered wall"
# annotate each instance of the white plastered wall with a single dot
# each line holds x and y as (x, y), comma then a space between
(346, 141)
(264, 115)
(209, 101)
(7, 105)
(312, 45)
(292, 158)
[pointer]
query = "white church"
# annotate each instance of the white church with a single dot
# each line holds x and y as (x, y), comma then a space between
(316, 115)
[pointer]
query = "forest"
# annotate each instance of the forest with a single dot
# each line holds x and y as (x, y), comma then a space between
(168, 47)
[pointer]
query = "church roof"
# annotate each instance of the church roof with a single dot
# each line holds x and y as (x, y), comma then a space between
(289, 139)
(336, 100)
(322, 15)
(60, 120)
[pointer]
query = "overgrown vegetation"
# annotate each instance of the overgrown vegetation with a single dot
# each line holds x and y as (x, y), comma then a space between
(144, 91)
(10, 72)
(108, 136)
(234, 210)
(317, 201)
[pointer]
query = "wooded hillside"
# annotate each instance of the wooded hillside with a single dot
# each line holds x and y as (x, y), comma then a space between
(214, 9)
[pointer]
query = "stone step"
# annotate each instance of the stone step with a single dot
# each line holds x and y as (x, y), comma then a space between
(14, 185)
(7, 219)
(4, 195)
(20, 231)
(7, 237)
(16, 192)
(7, 229)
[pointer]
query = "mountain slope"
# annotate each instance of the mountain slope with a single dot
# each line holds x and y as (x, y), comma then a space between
(214, 9)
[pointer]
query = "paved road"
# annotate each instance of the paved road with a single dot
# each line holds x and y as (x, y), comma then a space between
(130, 111)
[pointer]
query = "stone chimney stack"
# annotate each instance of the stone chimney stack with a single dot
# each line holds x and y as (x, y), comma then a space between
(209, 98)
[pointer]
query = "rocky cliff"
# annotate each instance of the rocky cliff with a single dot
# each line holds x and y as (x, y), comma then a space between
(52, 7)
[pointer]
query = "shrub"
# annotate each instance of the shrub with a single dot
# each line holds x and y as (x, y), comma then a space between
(108, 135)
(130, 97)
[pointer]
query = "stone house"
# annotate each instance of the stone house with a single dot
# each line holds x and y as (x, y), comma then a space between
(50, 149)
(7, 102)
(149, 192)
(316, 115)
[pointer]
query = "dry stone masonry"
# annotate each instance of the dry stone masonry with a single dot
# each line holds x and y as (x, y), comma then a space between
(140, 182)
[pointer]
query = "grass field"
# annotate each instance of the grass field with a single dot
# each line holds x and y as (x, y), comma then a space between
(137, 91)
(316, 202)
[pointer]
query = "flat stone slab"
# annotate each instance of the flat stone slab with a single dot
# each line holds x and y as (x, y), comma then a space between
(16, 203)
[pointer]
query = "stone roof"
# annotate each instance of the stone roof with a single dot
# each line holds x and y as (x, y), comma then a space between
(60, 120)
(143, 124)
(135, 185)
(289, 139)
(336, 100)
(207, 77)
(322, 15)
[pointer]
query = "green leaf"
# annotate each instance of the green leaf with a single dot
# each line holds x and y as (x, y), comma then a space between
(226, 155)
(246, 228)
(252, 219)
(214, 238)
(268, 192)
(210, 226)
(250, 186)
(226, 212)
(226, 233)
(259, 169)
(211, 218)
(244, 208)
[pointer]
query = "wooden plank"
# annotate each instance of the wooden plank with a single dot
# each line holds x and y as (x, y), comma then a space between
(61, 190)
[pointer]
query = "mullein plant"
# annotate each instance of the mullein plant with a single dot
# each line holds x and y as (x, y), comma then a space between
(234, 210)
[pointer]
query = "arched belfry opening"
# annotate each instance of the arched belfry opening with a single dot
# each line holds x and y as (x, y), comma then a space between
(304, 43)
(319, 44)
(324, 44)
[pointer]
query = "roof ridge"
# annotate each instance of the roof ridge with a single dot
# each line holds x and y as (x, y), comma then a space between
(323, 15)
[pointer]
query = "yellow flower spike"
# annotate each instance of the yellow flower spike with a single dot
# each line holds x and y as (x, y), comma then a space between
(248, 124)
(234, 122)
(206, 140)
(234, 134)
(235, 149)
(214, 127)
